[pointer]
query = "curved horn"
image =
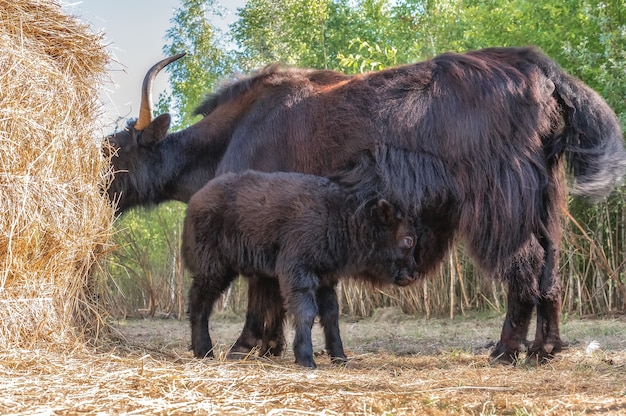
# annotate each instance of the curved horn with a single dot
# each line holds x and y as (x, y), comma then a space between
(145, 111)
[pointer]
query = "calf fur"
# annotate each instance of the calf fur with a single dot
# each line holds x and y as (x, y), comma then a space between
(303, 230)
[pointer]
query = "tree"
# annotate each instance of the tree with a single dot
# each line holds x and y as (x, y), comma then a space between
(288, 31)
(205, 64)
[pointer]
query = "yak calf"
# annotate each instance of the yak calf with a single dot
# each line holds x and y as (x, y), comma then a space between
(303, 230)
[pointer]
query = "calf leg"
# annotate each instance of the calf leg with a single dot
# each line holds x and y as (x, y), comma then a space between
(329, 318)
(299, 292)
(202, 297)
(304, 316)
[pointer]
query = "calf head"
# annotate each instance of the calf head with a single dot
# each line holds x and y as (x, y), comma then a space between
(132, 150)
(392, 259)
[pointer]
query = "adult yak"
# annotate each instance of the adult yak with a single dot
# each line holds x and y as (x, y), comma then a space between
(470, 145)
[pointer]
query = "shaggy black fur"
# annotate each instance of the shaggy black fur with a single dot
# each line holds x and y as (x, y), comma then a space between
(303, 230)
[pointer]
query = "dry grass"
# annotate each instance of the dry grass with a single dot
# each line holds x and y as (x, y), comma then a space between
(54, 221)
(165, 379)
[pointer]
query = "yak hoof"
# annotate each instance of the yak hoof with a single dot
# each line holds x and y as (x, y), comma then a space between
(542, 354)
(239, 351)
(238, 355)
(202, 354)
(504, 355)
(339, 361)
(273, 348)
(538, 356)
(307, 362)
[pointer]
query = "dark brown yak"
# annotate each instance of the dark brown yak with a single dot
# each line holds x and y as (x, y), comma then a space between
(470, 145)
(303, 230)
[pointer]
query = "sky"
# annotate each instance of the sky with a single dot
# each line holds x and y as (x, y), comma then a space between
(134, 34)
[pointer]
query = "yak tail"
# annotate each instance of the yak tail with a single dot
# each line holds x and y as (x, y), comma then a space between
(591, 139)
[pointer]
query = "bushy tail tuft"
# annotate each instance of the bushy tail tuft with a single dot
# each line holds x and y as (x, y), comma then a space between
(591, 140)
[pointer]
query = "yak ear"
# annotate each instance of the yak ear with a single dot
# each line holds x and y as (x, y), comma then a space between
(156, 130)
(386, 212)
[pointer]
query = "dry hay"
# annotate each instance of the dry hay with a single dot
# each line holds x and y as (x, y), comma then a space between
(134, 377)
(132, 382)
(54, 220)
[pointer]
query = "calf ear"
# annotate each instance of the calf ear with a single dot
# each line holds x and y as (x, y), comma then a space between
(386, 212)
(156, 130)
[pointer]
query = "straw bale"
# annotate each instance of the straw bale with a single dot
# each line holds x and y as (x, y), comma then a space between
(54, 219)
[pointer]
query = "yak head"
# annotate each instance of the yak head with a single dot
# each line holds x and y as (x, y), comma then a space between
(392, 258)
(132, 151)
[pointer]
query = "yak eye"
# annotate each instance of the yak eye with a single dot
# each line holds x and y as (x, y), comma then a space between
(408, 241)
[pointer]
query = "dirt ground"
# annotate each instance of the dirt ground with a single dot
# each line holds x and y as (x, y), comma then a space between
(389, 331)
(398, 365)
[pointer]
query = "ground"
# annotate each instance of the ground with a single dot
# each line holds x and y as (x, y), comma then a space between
(398, 365)
(389, 330)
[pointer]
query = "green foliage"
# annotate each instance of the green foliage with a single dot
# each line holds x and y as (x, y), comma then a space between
(367, 57)
(598, 53)
(146, 270)
(205, 64)
(288, 31)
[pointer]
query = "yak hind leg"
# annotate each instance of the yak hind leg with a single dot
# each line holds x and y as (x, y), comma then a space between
(521, 276)
(264, 306)
(273, 340)
(328, 307)
(514, 330)
(548, 337)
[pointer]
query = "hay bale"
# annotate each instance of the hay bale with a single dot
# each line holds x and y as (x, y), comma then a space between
(54, 221)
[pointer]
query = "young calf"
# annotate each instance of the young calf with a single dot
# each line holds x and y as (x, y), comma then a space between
(304, 231)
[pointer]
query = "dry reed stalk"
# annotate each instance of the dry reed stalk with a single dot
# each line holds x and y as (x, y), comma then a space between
(54, 220)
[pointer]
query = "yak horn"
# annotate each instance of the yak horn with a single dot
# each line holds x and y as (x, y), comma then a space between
(145, 111)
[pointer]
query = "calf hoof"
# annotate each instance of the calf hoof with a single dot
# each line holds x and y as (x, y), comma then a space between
(202, 350)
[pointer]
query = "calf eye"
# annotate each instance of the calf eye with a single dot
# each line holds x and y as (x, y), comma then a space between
(408, 241)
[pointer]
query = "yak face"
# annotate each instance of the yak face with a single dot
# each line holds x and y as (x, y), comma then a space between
(134, 155)
(134, 151)
(392, 259)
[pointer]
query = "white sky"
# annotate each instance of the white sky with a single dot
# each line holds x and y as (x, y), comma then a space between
(134, 32)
